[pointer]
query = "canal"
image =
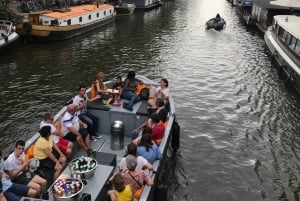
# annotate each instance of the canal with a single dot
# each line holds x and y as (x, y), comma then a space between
(239, 120)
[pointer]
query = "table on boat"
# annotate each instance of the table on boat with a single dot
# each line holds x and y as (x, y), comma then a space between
(96, 183)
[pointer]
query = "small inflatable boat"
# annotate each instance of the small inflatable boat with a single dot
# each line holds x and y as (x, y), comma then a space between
(216, 24)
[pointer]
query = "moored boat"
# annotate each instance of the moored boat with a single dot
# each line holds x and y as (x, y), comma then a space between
(217, 25)
(8, 35)
(125, 8)
(145, 4)
(283, 42)
(115, 128)
(62, 24)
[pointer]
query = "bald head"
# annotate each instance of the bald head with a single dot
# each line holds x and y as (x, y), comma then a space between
(72, 108)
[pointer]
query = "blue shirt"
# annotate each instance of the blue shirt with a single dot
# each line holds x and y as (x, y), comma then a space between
(6, 183)
(151, 155)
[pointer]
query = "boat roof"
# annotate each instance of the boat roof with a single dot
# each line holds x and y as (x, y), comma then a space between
(77, 11)
(290, 23)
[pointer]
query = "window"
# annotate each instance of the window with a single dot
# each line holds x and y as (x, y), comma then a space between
(104, 13)
(293, 43)
(97, 15)
(80, 19)
(69, 21)
(288, 38)
(90, 17)
(297, 48)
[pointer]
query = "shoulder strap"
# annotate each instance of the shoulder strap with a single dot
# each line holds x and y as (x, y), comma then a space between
(135, 179)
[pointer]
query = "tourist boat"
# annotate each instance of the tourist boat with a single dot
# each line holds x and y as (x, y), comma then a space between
(125, 8)
(212, 24)
(283, 42)
(8, 35)
(62, 24)
(116, 126)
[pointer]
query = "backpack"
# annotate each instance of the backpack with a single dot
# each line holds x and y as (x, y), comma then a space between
(144, 93)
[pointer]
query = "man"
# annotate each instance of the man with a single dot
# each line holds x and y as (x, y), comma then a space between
(91, 120)
(17, 169)
(64, 145)
(13, 191)
(70, 127)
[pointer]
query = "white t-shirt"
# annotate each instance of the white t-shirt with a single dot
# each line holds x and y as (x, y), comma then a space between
(69, 121)
(13, 163)
(165, 91)
(141, 162)
(77, 100)
(54, 136)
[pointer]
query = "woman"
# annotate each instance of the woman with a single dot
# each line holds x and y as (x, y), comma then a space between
(129, 90)
(121, 192)
(141, 162)
(102, 89)
(47, 152)
(135, 178)
(147, 149)
(162, 91)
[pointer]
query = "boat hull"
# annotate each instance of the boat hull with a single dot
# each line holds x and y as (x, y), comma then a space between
(288, 65)
(210, 24)
(125, 9)
(40, 33)
(9, 42)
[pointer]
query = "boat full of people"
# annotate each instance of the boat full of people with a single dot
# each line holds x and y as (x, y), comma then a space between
(216, 23)
(64, 23)
(113, 122)
(283, 42)
(8, 34)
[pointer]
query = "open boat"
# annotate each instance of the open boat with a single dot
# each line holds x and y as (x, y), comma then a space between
(283, 42)
(125, 8)
(217, 25)
(110, 150)
(8, 34)
(66, 23)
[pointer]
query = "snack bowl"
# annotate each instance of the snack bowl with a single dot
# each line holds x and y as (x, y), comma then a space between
(83, 166)
(67, 189)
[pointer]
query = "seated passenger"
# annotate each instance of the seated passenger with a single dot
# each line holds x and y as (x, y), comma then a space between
(102, 90)
(158, 129)
(49, 155)
(135, 178)
(17, 169)
(121, 192)
(217, 18)
(91, 120)
(148, 150)
(129, 90)
(162, 91)
(118, 86)
(142, 163)
(13, 191)
(64, 145)
(70, 127)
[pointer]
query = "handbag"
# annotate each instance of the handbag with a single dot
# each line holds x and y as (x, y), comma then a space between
(139, 192)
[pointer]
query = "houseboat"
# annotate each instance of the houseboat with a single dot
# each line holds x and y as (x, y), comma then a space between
(65, 23)
(116, 125)
(283, 42)
(244, 9)
(8, 35)
(263, 12)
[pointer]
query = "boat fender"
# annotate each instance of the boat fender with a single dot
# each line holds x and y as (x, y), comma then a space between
(27, 27)
(175, 136)
(5, 37)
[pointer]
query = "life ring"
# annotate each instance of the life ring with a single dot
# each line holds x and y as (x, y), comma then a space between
(27, 27)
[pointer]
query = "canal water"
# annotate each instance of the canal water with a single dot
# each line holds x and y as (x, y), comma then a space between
(239, 120)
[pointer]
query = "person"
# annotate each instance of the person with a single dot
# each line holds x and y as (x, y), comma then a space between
(88, 118)
(129, 90)
(147, 149)
(70, 127)
(142, 163)
(49, 155)
(121, 192)
(162, 91)
(16, 168)
(13, 191)
(118, 86)
(217, 18)
(161, 110)
(102, 90)
(64, 145)
(135, 178)
(158, 129)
